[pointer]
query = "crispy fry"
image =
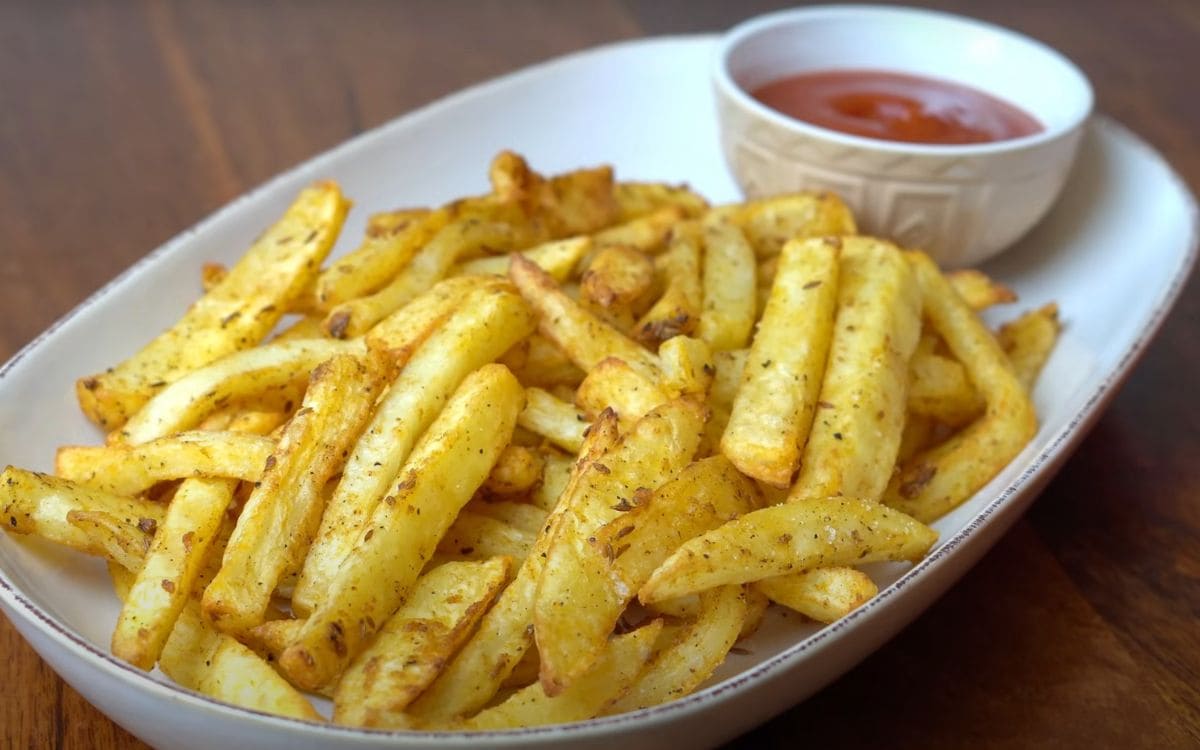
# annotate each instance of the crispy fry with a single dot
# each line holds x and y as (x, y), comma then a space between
(688, 367)
(133, 469)
(773, 410)
(642, 198)
(449, 463)
(583, 337)
(939, 389)
(391, 240)
(570, 638)
(648, 233)
(939, 479)
(403, 332)
(1028, 341)
(615, 670)
(614, 384)
(181, 405)
(280, 519)
(488, 322)
(439, 615)
(855, 433)
(170, 569)
(770, 223)
(504, 635)
(677, 311)
(786, 538)
(539, 363)
(554, 479)
(618, 285)
(35, 503)
(729, 287)
(517, 471)
(235, 315)
(554, 419)
(693, 654)
(119, 542)
(824, 594)
(474, 536)
(979, 290)
(558, 258)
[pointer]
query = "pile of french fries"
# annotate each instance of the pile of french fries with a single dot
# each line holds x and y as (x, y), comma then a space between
(531, 457)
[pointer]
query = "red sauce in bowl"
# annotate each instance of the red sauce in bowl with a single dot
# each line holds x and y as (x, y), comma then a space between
(896, 107)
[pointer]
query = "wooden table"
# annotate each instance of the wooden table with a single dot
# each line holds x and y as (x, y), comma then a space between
(123, 123)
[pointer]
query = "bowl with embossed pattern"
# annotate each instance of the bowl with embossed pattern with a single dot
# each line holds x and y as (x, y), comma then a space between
(941, 132)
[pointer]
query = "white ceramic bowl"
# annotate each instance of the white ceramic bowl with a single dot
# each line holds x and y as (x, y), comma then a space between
(960, 203)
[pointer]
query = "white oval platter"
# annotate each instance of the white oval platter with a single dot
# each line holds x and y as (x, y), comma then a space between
(1114, 254)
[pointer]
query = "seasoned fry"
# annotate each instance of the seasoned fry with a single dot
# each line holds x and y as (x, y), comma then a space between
(647, 234)
(181, 405)
(391, 240)
(693, 654)
(677, 311)
(449, 463)
(614, 384)
(1028, 341)
(504, 635)
(729, 287)
(235, 315)
(281, 517)
(474, 536)
(402, 332)
(439, 615)
(824, 594)
(517, 471)
(539, 363)
(133, 469)
(979, 290)
(554, 419)
(554, 478)
(855, 433)
(614, 672)
(770, 223)
(570, 638)
(939, 389)
(786, 538)
(939, 479)
(687, 366)
(489, 321)
(773, 410)
(35, 503)
(558, 258)
(170, 569)
(120, 542)
(642, 198)
(583, 337)
(617, 285)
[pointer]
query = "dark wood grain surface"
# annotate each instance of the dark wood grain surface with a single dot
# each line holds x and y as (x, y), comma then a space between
(123, 123)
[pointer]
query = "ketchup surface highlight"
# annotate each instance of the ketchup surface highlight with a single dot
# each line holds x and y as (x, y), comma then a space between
(896, 107)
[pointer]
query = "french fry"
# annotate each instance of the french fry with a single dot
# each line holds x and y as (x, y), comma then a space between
(183, 404)
(235, 315)
(439, 615)
(281, 517)
(472, 678)
(648, 233)
(677, 311)
(638, 199)
(35, 503)
(449, 463)
(119, 542)
(403, 332)
(558, 258)
(615, 670)
(517, 471)
(576, 606)
(528, 518)
(693, 654)
(488, 322)
(823, 594)
(133, 469)
(939, 389)
(614, 384)
(554, 479)
(855, 433)
(554, 419)
(200, 658)
(728, 368)
(474, 536)
(939, 479)
(788, 538)
(770, 223)
(306, 327)
(1028, 341)
(979, 290)
(618, 285)
(773, 410)
(610, 562)
(728, 315)
(539, 363)
(391, 240)
(170, 569)
(582, 336)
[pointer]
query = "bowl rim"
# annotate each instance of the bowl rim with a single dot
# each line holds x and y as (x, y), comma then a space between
(736, 36)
